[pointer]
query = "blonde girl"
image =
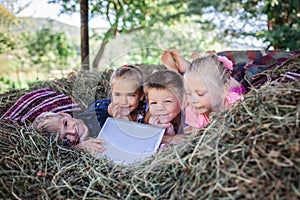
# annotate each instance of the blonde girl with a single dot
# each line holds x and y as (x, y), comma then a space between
(175, 62)
(207, 85)
(126, 100)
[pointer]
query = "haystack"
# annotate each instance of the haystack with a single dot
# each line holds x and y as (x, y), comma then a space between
(249, 152)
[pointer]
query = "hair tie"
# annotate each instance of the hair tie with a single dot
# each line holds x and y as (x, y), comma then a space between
(227, 63)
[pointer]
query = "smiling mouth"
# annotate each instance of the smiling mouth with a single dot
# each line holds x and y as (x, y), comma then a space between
(125, 107)
(197, 107)
(165, 114)
(162, 116)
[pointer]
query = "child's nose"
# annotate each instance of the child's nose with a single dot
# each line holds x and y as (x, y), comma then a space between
(160, 107)
(71, 128)
(194, 98)
(124, 100)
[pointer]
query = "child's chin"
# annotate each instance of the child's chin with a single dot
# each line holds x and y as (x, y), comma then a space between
(164, 120)
(201, 111)
(125, 111)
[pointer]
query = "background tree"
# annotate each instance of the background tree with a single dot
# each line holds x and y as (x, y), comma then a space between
(84, 32)
(148, 44)
(26, 53)
(7, 19)
(125, 16)
(274, 22)
(47, 49)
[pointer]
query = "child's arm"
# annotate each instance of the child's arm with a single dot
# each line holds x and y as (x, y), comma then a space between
(189, 131)
(174, 139)
(168, 126)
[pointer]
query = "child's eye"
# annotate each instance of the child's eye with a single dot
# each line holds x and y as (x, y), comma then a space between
(131, 94)
(200, 95)
(117, 94)
(168, 101)
(152, 103)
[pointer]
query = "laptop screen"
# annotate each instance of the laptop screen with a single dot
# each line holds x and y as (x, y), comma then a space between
(127, 142)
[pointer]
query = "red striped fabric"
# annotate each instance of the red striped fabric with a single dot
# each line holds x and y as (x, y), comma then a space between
(32, 104)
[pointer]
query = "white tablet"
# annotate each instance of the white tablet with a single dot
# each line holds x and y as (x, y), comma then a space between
(127, 142)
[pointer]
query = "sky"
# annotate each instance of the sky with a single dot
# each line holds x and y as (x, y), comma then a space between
(40, 8)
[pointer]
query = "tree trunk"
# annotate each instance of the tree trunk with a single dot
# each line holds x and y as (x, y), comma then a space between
(99, 55)
(84, 33)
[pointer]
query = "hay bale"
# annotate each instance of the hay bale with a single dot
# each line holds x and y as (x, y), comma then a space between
(249, 152)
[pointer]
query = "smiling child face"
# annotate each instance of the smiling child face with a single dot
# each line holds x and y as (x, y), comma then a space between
(163, 104)
(69, 129)
(126, 94)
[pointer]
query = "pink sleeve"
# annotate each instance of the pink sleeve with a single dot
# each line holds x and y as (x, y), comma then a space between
(233, 97)
(195, 120)
(239, 90)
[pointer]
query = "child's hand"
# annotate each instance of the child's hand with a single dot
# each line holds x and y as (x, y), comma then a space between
(168, 126)
(170, 130)
(120, 113)
(92, 145)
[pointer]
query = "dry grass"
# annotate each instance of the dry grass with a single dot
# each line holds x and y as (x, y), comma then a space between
(249, 152)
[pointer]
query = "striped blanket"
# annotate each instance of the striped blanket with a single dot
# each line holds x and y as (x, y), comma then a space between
(249, 66)
(32, 104)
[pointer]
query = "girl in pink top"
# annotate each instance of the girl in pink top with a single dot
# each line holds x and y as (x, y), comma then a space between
(207, 85)
(176, 62)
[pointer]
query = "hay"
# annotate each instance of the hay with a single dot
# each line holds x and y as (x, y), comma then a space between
(250, 152)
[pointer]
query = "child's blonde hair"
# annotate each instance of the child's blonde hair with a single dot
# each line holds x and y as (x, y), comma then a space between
(210, 66)
(165, 79)
(45, 122)
(128, 71)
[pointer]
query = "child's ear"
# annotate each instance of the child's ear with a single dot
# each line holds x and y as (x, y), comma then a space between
(64, 114)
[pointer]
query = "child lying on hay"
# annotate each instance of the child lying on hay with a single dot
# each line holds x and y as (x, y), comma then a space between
(37, 108)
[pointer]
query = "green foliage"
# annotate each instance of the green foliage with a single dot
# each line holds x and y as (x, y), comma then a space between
(7, 42)
(48, 49)
(284, 37)
(150, 43)
(283, 23)
(6, 17)
(25, 55)
(275, 22)
(6, 83)
(126, 16)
